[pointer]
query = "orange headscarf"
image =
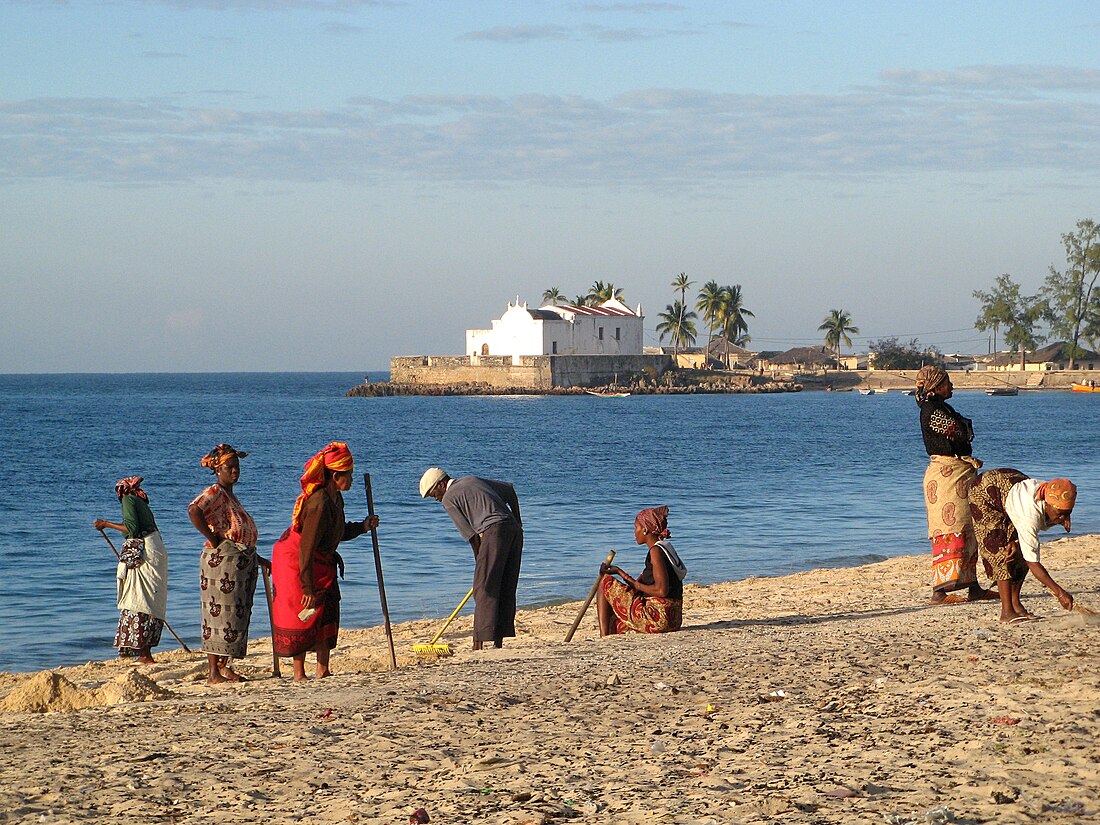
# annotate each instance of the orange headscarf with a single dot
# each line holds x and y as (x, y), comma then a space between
(654, 521)
(1060, 493)
(219, 455)
(337, 457)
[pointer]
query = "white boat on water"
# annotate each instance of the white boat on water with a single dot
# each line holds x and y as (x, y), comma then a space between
(607, 394)
(869, 391)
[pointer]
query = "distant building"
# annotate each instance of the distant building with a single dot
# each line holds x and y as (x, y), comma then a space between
(1051, 357)
(798, 359)
(612, 328)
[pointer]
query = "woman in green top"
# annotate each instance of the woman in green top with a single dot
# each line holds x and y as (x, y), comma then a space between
(142, 574)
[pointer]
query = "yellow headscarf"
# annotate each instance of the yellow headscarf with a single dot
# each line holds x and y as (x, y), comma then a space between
(337, 457)
(219, 455)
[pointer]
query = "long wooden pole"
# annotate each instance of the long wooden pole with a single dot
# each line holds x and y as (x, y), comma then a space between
(271, 616)
(378, 570)
(170, 630)
(591, 595)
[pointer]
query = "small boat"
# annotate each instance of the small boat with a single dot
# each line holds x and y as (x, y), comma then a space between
(1003, 391)
(1088, 386)
(607, 394)
(868, 391)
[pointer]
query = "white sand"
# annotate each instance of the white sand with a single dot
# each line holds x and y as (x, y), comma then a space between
(827, 696)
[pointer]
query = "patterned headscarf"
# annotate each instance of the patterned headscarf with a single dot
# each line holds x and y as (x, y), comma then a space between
(336, 457)
(928, 378)
(1060, 493)
(654, 521)
(130, 487)
(219, 455)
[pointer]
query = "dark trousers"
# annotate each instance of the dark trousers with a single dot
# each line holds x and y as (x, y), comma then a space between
(496, 575)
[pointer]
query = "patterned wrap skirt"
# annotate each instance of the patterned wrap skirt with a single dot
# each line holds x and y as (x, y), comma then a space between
(995, 531)
(136, 631)
(640, 613)
(227, 580)
(947, 483)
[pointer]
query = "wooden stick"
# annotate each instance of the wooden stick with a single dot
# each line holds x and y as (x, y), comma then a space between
(271, 615)
(170, 630)
(378, 570)
(591, 595)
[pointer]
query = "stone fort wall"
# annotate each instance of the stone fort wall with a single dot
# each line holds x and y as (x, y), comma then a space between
(534, 371)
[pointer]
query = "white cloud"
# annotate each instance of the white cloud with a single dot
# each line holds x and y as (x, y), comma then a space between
(650, 138)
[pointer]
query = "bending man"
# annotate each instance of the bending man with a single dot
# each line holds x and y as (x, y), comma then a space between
(486, 514)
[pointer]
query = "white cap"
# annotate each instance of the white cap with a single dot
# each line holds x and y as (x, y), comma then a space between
(432, 476)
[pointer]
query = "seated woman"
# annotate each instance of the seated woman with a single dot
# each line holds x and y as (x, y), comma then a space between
(304, 561)
(1009, 510)
(652, 603)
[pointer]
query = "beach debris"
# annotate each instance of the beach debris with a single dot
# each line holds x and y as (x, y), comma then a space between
(669, 688)
(419, 817)
(613, 680)
(1005, 797)
(937, 816)
(843, 792)
(1004, 720)
(773, 696)
(656, 746)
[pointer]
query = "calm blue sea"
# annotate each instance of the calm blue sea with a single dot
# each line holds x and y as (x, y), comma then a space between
(757, 484)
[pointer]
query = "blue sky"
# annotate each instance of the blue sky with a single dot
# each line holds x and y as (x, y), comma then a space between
(284, 185)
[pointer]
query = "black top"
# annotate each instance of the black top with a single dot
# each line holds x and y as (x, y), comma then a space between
(675, 586)
(945, 431)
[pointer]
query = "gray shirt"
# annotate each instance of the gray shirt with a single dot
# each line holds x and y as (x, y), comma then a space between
(477, 503)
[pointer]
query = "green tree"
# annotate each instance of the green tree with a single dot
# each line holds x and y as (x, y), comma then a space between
(580, 300)
(1071, 295)
(678, 323)
(552, 296)
(890, 354)
(1019, 315)
(837, 326)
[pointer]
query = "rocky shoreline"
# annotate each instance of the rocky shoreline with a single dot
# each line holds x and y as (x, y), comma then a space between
(682, 383)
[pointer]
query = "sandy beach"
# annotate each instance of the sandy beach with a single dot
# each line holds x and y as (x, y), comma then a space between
(825, 696)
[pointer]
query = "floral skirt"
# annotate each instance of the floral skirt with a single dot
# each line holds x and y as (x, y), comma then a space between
(947, 482)
(640, 613)
(135, 632)
(992, 525)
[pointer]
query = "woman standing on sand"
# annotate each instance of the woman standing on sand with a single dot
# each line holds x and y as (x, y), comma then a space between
(142, 574)
(652, 603)
(951, 471)
(227, 566)
(304, 561)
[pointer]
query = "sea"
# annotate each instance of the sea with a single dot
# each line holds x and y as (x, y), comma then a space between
(757, 485)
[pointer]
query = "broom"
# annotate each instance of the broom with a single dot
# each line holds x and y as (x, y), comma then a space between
(441, 650)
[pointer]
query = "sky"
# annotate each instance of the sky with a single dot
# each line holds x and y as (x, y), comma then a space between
(283, 185)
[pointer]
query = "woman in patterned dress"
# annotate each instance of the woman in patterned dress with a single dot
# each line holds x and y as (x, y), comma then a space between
(228, 564)
(653, 602)
(142, 574)
(951, 471)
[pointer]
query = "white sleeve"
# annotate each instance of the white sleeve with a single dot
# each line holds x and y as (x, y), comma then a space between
(1025, 515)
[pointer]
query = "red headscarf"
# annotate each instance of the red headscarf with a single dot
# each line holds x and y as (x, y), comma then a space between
(337, 457)
(130, 487)
(654, 521)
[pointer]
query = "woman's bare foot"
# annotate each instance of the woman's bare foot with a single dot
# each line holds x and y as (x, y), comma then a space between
(215, 678)
(232, 676)
(147, 660)
(978, 594)
(323, 674)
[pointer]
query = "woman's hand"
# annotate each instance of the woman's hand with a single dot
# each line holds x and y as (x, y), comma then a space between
(99, 524)
(1065, 599)
(309, 600)
(370, 523)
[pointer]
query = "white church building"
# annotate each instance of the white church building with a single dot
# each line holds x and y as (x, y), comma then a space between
(612, 328)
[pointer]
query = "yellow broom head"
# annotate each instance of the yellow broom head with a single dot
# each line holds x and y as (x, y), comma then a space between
(439, 651)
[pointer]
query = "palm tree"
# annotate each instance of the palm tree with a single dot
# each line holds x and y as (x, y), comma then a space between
(552, 296)
(709, 302)
(732, 314)
(600, 292)
(678, 323)
(836, 327)
(681, 283)
(580, 300)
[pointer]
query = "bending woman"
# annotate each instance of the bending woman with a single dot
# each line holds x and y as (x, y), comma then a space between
(304, 562)
(228, 565)
(653, 602)
(951, 471)
(1009, 511)
(142, 574)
